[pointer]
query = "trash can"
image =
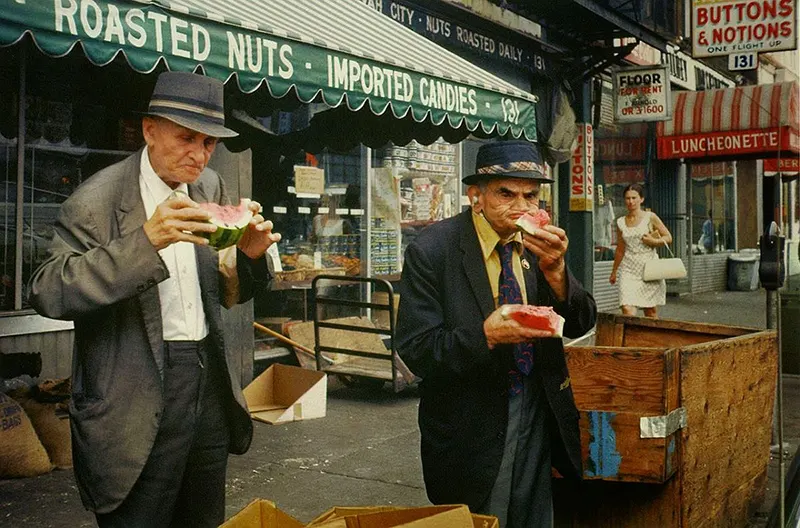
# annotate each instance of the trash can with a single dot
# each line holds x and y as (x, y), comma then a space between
(743, 271)
(790, 330)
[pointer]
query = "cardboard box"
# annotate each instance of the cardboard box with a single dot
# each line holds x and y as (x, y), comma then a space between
(261, 514)
(455, 516)
(389, 516)
(284, 393)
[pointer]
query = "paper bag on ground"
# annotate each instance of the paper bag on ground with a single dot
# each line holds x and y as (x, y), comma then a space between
(262, 514)
(284, 393)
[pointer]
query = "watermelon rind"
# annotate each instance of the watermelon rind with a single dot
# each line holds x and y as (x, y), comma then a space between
(228, 234)
(526, 224)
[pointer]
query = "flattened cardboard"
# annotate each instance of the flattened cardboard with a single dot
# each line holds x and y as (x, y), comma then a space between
(284, 393)
(261, 514)
(338, 512)
(453, 516)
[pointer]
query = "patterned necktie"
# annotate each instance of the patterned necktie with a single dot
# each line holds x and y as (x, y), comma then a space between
(509, 293)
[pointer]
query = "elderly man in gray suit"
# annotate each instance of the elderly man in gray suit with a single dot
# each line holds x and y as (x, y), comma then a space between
(157, 404)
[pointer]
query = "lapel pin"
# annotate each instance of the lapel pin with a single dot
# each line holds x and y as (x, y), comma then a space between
(525, 264)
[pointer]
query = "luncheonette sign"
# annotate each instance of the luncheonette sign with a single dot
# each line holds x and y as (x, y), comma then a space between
(725, 27)
(641, 94)
(581, 170)
(728, 143)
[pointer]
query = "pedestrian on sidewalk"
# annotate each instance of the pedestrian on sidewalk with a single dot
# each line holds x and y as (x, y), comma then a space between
(496, 408)
(639, 233)
(156, 402)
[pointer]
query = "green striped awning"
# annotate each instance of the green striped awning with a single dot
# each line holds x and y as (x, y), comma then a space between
(338, 50)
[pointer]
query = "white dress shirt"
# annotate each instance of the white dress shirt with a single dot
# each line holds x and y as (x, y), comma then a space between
(181, 305)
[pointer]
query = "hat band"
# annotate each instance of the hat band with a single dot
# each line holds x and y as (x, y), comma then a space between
(156, 104)
(514, 166)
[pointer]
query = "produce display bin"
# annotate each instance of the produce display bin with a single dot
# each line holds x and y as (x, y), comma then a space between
(675, 424)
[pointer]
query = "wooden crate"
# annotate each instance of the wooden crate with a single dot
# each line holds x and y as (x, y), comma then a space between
(713, 471)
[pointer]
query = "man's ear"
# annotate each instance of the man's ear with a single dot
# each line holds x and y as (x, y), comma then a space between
(474, 192)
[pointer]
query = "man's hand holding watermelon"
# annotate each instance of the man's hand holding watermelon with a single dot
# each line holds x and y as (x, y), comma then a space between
(500, 328)
(258, 236)
(180, 219)
(549, 243)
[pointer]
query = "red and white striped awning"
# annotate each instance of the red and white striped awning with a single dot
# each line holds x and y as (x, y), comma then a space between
(732, 122)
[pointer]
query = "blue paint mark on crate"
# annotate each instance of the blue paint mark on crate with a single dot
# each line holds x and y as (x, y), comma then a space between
(604, 459)
(670, 454)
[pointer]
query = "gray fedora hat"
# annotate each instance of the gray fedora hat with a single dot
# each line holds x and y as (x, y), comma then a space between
(191, 100)
(508, 159)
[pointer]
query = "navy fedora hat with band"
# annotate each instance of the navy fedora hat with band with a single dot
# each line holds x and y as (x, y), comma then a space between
(508, 159)
(191, 100)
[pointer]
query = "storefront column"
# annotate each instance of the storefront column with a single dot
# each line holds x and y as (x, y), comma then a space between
(579, 224)
(20, 210)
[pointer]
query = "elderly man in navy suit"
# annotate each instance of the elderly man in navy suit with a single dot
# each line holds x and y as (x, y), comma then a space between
(496, 409)
(157, 401)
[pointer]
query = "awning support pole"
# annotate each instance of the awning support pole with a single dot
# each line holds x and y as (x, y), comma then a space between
(20, 204)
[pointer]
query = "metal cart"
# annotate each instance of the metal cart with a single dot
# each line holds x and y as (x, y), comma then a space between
(378, 361)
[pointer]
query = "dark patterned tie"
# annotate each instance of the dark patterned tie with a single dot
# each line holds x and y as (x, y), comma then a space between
(509, 293)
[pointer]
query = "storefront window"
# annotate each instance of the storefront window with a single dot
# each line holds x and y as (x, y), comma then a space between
(620, 152)
(713, 207)
(413, 186)
(73, 128)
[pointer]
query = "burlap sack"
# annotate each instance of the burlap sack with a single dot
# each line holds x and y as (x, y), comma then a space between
(53, 432)
(22, 454)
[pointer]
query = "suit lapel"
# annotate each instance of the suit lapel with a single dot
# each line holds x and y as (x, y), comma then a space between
(130, 217)
(474, 267)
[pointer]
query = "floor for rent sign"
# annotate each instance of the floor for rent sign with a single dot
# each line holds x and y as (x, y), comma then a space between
(725, 27)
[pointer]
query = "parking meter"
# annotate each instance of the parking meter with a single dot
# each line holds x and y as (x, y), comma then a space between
(770, 269)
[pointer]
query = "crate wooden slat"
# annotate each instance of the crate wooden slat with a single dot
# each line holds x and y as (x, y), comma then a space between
(724, 377)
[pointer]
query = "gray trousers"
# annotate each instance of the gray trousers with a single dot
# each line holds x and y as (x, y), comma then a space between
(183, 481)
(522, 495)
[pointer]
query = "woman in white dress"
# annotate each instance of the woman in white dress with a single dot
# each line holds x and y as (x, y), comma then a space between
(638, 234)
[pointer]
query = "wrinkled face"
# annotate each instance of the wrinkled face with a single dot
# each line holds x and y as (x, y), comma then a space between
(503, 201)
(177, 154)
(633, 200)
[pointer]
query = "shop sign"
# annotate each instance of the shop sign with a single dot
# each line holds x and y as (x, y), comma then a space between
(788, 165)
(148, 34)
(581, 171)
(681, 69)
(706, 80)
(623, 174)
(309, 180)
(641, 94)
(724, 27)
(620, 149)
(733, 143)
(448, 32)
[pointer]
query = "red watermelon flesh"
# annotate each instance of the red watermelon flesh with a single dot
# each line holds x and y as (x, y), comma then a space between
(531, 222)
(538, 317)
(231, 222)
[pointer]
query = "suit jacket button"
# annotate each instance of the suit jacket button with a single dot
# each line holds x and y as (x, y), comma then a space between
(140, 288)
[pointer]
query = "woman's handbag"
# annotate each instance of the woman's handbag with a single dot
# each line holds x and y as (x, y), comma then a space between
(669, 268)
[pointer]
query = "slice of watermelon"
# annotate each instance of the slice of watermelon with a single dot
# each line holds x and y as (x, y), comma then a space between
(538, 317)
(531, 222)
(231, 222)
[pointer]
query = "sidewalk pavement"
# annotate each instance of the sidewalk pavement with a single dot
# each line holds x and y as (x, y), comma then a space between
(364, 452)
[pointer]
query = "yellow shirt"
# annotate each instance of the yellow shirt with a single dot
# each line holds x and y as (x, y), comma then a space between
(489, 238)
